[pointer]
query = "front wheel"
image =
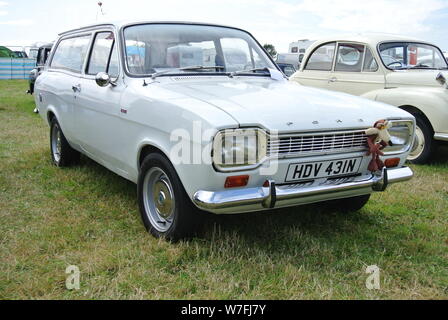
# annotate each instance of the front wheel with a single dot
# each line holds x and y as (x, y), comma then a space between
(424, 144)
(166, 210)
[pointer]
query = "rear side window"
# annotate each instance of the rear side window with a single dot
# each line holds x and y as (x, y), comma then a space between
(322, 58)
(104, 57)
(71, 53)
(350, 57)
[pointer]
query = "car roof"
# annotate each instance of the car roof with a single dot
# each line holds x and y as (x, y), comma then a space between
(120, 24)
(373, 39)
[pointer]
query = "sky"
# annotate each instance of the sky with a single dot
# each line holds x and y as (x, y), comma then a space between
(279, 22)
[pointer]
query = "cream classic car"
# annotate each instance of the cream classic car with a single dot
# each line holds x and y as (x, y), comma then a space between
(400, 71)
(171, 107)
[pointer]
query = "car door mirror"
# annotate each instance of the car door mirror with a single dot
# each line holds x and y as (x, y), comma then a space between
(103, 79)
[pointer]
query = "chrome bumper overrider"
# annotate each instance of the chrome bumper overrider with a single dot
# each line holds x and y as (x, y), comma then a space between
(256, 199)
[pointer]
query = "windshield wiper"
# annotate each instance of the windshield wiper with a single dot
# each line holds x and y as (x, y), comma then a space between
(190, 68)
(236, 73)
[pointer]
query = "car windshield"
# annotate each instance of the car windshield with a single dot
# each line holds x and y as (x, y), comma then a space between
(410, 55)
(167, 49)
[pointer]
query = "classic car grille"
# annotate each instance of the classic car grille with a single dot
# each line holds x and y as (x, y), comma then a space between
(335, 142)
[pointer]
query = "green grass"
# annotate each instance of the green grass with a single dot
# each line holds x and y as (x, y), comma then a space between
(87, 216)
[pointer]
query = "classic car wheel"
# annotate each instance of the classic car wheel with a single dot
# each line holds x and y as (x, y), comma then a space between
(62, 153)
(349, 204)
(166, 210)
(424, 144)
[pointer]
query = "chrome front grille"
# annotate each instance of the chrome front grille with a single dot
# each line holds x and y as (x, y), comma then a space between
(306, 144)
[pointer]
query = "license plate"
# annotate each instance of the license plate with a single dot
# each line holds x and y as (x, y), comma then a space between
(323, 169)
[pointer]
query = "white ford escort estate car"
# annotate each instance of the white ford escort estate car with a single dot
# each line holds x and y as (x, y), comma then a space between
(201, 119)
(400, 71)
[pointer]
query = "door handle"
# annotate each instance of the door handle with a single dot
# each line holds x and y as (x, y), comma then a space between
(76, 88)
(332, 80)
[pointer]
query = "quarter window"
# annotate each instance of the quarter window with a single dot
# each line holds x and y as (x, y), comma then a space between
(71, 53)
(350, 58)
(322, 58)
(104, 56)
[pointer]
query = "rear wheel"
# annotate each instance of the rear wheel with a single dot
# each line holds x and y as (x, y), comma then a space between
(62, 153)
(424, 144)
(349, 204)
(165, 208)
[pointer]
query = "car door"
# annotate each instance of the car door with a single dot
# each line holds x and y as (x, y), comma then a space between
(317, 69)
(356, 70)
(97, 113)
(63, 79)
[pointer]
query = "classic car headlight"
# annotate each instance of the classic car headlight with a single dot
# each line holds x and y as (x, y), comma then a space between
(239, 149)
(402, 136)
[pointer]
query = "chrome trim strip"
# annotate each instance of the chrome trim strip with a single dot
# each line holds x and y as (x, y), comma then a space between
(264, 198)
(318, 133)
(441, 136)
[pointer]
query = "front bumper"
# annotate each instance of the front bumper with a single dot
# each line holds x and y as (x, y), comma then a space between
(441, 136)
(273, 196)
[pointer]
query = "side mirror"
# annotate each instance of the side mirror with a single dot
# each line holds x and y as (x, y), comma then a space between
(102, 79)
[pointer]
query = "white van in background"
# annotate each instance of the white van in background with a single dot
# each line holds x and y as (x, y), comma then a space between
(299, 47)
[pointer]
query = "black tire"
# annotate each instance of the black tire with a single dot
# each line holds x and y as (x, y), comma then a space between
(430, 145)
(185, 220)
(348, 205)
(66, 155)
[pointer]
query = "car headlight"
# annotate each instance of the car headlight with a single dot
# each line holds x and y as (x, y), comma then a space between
(402, 136)
(239, 149)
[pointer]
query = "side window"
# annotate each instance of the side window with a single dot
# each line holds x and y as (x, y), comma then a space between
(370, 64)
(322, 58)
(71, 53)
(350, 57)
(101, 53)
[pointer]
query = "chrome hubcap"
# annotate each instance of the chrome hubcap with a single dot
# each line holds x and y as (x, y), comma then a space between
(158, 197)
(419, 144)
(56, 144)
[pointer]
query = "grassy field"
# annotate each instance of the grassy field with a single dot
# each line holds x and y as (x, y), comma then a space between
(88, 217)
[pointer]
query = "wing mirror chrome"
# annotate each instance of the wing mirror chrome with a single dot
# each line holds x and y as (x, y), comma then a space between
(103, 79)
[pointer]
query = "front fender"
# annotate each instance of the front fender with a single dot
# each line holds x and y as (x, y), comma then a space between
(431, 101)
